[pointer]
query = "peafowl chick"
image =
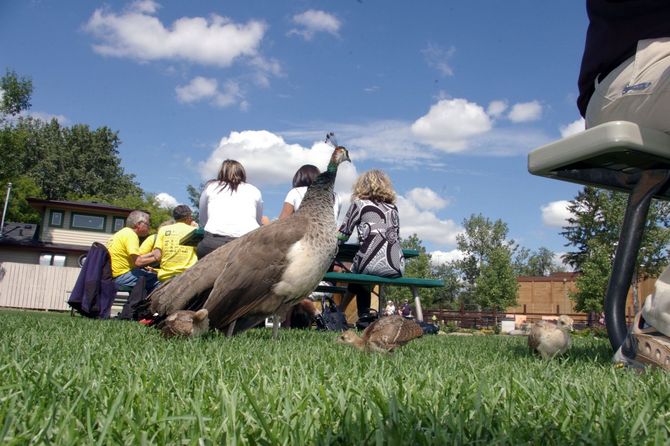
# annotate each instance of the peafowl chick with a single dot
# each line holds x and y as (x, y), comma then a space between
(383, 335)
(549, 339)
(186, 323)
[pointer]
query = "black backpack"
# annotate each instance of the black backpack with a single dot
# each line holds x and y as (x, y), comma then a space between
(331, 318)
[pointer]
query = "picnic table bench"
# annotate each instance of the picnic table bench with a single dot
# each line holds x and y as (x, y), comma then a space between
(617, 155)
(346, 253)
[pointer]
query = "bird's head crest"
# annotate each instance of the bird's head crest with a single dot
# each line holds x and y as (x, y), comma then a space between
(340, 154)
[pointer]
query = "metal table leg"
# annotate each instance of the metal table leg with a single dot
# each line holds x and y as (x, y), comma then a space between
(625, 258)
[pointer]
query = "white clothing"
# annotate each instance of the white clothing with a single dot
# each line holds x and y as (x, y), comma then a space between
(656, 308)
(295, 196)
(638, 90)
(223, 212)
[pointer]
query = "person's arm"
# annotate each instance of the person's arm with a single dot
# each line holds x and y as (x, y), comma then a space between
(259, 209)
(202, 207)
(286, 210)
(350, 221)
(146, 259)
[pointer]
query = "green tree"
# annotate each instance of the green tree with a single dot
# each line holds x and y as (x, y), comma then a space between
(497, 287)
(18, 209)
(16, 94)
(591, 284)
(146, 202)
(69, 163)
(450, 295)
(585, 223)
(479, 240)
(194, 198)
(535, 263)
(415, 267)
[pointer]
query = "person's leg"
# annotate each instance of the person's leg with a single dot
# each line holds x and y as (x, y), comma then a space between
(151, 279)
(647, 341)
(637, 91)
(127, 279)
(363, 297)
(209, 243)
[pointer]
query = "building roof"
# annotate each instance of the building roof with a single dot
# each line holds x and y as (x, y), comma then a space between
(40, 204)
(25, 236)
(19, 232)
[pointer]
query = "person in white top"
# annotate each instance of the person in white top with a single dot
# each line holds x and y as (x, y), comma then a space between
(301, 180)
(229, 207)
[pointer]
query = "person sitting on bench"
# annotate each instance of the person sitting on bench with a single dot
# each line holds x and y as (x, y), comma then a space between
(374, 215)
(174, 257)
(124, 250)
(625, 75)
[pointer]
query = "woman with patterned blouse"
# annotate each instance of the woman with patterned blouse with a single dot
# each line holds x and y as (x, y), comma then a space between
(375, 217)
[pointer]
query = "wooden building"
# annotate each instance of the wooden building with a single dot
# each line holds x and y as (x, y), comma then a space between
(40, 263)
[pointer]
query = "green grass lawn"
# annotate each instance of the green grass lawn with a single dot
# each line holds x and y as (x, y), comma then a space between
(70, 380)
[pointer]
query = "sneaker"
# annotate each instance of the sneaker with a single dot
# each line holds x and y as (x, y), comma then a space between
(643, 346)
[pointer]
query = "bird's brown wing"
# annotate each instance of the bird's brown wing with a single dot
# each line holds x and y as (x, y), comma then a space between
(390, 332)
(257, 262)
(178, 292)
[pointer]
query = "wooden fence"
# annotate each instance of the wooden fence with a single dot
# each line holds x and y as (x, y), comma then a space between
(36, 286)
(486, 319)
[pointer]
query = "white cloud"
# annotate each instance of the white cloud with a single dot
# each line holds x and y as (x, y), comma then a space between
(47, 117)
(314, 21)
(201, 88)
(525, 112)
(450, 123)
(438, 258)
(425, 198)
(496, 108)
(573, 128)
(146, 6)
(556, 213)
(558, 260)
(425, 224)
(269, 160)
(438, 58)
(136, 33)
(382, 141)
(166, 200)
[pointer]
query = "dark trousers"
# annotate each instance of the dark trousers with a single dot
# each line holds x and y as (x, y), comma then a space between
(210, 242)
(363, 297)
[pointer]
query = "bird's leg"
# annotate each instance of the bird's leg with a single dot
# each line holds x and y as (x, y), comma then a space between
(231, 329)
(275, 326)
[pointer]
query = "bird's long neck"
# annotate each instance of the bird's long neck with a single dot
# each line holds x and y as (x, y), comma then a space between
(358, 342)
(319, 196)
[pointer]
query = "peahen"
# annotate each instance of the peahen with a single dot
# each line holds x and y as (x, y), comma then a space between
(550, 340)
(266, 271)
(383, 335)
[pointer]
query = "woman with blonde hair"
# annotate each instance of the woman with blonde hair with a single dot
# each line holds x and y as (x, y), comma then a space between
(374, 215)
(229, 207)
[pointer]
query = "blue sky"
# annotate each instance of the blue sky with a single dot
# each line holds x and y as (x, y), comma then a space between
(448, 97)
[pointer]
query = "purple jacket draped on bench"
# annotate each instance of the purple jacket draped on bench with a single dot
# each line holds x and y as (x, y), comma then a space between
(95, 289)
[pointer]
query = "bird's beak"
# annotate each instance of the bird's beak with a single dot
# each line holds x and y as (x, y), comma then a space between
(346, 153)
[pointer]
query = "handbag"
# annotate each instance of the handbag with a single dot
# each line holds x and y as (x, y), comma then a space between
(331, 318)
(367, 318)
